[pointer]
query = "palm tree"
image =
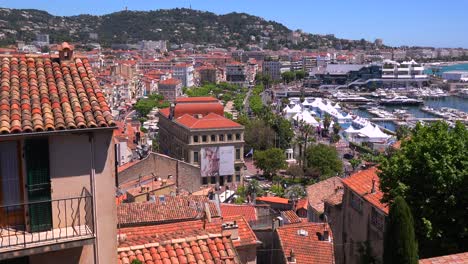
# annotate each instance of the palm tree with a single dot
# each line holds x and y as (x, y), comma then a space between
(306, 130)
(326, 123)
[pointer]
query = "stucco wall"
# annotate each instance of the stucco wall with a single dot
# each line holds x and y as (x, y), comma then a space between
(189, 178)
(81, 255)
(357, 229)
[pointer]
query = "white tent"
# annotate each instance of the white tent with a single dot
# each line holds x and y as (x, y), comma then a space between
(290, 112)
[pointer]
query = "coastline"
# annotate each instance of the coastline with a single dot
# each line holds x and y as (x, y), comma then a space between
(445, 63)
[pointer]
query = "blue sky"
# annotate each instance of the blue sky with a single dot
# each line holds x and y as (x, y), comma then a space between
(398, 22)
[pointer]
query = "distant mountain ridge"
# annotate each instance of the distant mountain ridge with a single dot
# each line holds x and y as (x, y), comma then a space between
(175, 25)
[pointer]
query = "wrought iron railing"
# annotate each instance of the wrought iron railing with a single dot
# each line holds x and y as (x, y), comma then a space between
(49, 221)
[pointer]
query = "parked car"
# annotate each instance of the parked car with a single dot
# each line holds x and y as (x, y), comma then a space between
(348, 156)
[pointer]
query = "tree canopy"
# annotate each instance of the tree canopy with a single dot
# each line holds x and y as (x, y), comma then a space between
(270, 161)
(325, 160)
(400, 244)
(145, 105)
(430, 171)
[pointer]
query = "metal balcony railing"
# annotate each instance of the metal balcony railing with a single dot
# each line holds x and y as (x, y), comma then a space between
(47, 222)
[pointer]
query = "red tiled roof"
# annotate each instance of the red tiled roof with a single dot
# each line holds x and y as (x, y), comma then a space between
(449, 259)
(39, 94)
(291, 217)
(171, 210)
(361, 183)
(209, 121)
(201, 99)
(273, 199)
(307, 249)
(247, 211)
(188, 228)
(210, 248)
(319, 192)
(194, 109)
(171, 81)
(301, 204)
(126, 165)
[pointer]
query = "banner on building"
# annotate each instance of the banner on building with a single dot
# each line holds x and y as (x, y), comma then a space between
(217, 161)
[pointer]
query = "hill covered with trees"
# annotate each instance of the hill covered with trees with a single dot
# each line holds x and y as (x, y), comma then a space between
(174, 25)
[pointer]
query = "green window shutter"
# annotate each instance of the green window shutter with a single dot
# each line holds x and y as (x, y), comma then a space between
(38, 184)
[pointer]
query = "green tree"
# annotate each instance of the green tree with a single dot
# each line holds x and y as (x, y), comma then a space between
(288, 76)
(327, 119)
(136, 261)
(403, 132)
(355, 163)
(284, 131)
(270, 161)
(324, 159)
(295, 171)
(301, 74)
(258, 135)
(278, 190)
(430, 171)
(400, 245)
(295, 192)
(254, 189)
(305, 131)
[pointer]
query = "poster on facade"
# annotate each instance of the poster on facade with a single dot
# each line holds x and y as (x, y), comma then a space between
(217, 161)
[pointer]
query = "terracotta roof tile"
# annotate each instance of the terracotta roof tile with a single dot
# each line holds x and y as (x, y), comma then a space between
(273, 199)
(195, 109)
(361, 183)
(186, 228)
(307, 249)
(209, 121)
(319, 192)
(200, 99)
(200, 250)
(291, 217)
(38, 94)
(172, 209)
(247, 211)
(449, 259)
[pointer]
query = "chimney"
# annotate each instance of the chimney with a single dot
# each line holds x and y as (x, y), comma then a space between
(292, 257)
(326, 235)
(373, 185)
(230, 228)
(171, 111)
(65, 52)
(163, 182)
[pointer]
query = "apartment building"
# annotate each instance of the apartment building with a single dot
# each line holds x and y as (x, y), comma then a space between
(208, 74)
(184, 72)
(272, 68)
(196, 131)
(57, 167)
(363, 216)
(236, 73)
(171, 89)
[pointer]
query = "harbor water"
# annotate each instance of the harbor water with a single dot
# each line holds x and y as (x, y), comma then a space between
(436, 103)
(455, 67)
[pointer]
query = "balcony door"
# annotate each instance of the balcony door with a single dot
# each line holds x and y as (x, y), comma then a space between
(11, 191)
(38, 184)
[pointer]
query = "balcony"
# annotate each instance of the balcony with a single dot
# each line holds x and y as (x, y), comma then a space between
(44, 223)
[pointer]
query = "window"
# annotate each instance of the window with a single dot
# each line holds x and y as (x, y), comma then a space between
(238, 174)
(195, 139)
(221, 137)
(229, 178)
(356, 202)
(237, 177)
(204, 180)
(204, 138)
(213, 138)
(195, 156)
(229, 136)
(377, 219)
(213, 179)
(238, 154)
(238, 136)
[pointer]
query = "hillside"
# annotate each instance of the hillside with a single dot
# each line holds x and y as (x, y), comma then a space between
(175, 25)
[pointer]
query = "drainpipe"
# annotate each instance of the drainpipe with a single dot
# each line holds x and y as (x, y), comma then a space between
(93, 193)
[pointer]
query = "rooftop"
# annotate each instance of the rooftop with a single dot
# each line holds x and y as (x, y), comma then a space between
(42, 94)
(209, 121)
(209, 248)
(172, 209)
(273, 199)
(321, 191)
(449, 259)
(361, 183)
(170, 81)
(305, 244)
(201, 99)
(141, 235)
(195, 109)
(247, 211)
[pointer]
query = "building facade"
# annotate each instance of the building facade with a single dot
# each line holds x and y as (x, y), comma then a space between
(57, 163)
(194, 126)
(171, 89)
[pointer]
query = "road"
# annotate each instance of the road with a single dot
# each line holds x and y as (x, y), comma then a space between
(246, 101)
